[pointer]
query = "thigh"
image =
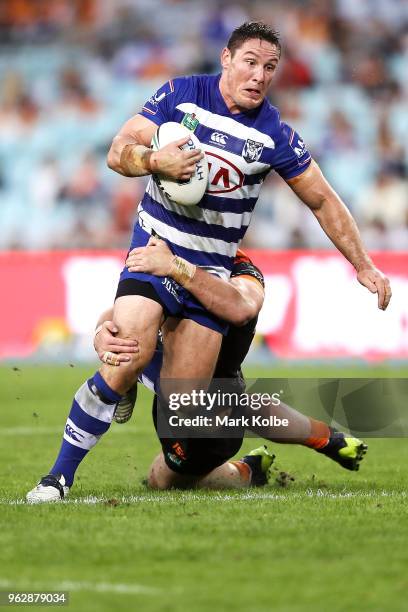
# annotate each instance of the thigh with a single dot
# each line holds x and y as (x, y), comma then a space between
(139, 318)
(190, 350)
(198, 456)
(190, 458)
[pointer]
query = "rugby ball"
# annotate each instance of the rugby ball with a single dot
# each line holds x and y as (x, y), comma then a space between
(187, 193)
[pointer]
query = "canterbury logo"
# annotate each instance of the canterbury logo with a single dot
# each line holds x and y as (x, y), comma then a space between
(219, 138)
(72, 433)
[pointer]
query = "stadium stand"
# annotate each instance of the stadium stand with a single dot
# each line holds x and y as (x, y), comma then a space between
(72, 72)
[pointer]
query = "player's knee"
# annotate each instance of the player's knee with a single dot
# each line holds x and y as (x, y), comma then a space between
(161, 477)
(158, 478)
(152, 480)
(138, 361)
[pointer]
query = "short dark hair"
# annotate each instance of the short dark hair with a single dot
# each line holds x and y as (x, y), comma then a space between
(253, 29)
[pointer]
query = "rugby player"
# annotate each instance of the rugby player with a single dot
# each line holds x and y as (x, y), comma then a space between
(195, 462)
(244, 139)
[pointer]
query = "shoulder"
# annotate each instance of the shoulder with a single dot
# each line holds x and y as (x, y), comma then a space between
(268, 120)
(244, 267)
(193, 82)
(290, 156)
(174, 88)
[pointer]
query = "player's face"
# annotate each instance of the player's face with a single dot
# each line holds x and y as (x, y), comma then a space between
(247, 74)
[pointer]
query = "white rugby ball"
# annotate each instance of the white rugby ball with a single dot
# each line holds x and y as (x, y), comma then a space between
(187, 193)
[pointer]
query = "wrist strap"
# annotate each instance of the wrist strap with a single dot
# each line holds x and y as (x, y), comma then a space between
(182, 271)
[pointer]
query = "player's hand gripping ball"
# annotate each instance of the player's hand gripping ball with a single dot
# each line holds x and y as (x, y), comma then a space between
(191, 191)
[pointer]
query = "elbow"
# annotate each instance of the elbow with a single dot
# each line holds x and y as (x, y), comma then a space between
(242, 316)
(113, 157)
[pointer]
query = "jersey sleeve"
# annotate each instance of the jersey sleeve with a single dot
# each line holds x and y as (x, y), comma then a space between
(243, 266)
(291, 155)
(160, 107)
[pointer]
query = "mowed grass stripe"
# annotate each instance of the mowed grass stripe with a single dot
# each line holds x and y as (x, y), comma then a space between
(40, 430)
(176, 498)
(68, 585)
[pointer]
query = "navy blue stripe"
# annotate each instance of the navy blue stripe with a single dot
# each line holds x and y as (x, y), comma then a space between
(104, 389)
(86, 421)
(232, 143)
(255, 179)
(221, 204)
(191, 226)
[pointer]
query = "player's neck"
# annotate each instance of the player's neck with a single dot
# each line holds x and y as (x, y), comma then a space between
(232, 106)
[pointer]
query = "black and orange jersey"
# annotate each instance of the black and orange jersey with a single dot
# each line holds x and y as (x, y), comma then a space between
(235, 345)
(244, 266)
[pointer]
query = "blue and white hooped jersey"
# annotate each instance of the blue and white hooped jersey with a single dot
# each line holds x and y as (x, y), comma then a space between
(241, 149)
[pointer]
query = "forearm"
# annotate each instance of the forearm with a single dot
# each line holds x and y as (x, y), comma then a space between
(340, 227)
(234, 301)
(130, 158)
(335, 219)
(220, 298)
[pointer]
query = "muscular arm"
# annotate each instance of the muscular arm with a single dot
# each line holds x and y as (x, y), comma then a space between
(336, 221)
(237, 301)
(130, 152)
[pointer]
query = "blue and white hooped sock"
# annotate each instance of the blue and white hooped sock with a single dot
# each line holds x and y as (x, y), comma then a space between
(90, 417)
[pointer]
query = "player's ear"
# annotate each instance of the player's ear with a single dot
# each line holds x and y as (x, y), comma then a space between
(225, 57)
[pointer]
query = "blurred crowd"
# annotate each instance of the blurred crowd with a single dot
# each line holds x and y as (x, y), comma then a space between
(72, 71)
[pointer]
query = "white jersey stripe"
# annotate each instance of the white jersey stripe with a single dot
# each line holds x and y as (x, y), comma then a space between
(226, 219)
(188, 241)
(226, 124)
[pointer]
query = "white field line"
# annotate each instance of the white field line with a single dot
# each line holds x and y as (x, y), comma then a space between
(171, 498)
(29, 431)
(67, 585)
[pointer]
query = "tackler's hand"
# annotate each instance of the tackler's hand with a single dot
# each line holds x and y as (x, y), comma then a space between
(110, 349)
(155, 258)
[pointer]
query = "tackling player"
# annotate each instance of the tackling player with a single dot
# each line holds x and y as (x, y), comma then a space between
(202, 462)
(186, 462)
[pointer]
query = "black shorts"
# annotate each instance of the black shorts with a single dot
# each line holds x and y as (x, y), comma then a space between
(196, 456)
(133, 286)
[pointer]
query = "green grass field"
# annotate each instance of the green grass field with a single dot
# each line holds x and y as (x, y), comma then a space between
(331, 540)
